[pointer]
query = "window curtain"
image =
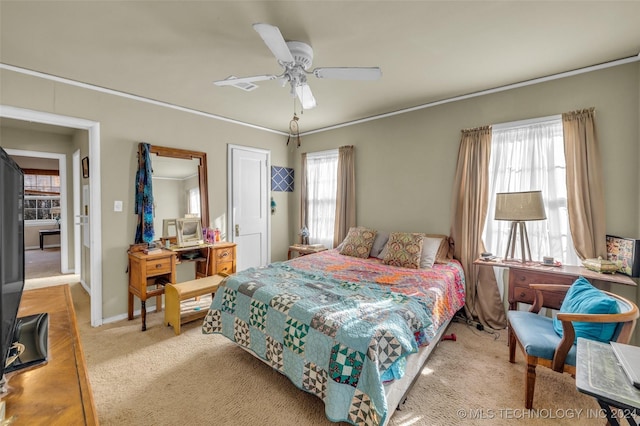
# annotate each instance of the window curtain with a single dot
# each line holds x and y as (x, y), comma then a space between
(585, 193)
(304, 205)
(321, 173)
(469, 208)
(345, 216)
(144, 196)
(530, 157)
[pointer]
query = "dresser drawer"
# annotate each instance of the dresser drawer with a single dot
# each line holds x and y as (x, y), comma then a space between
(224, 254)
(519, 290)
(225, 267)
(159, 266)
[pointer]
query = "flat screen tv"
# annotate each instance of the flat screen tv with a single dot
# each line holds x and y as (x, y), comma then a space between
(11, 252)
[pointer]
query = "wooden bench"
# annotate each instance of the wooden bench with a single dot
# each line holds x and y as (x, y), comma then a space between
(176, 293)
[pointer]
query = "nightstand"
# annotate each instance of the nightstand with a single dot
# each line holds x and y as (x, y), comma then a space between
(304, 249)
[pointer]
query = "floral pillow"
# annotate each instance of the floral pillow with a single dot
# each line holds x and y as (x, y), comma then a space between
(358, 242)
(404, 249)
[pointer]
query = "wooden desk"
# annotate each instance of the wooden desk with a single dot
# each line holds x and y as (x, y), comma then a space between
(599, 375)
(44, 232)
(59, 392)
(214, 258)
(149, 270)
(521, 275)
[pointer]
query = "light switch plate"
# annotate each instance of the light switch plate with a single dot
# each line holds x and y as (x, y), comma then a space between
(117, 206)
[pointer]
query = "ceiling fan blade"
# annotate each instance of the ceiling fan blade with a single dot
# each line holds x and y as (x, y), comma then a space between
(275, 42)
(230, 81)
(306, 97)
(349, 73)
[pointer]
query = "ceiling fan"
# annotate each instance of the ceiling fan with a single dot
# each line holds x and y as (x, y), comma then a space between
(296, 58)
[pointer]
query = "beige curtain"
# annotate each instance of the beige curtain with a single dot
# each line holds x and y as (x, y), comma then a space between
(585, 193)
(304, 209)
(346, 194)
(469, 208)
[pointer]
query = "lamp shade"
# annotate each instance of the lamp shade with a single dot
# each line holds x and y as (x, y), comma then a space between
(520, 206)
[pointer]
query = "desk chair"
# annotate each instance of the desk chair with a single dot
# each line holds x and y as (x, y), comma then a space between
(536, 337)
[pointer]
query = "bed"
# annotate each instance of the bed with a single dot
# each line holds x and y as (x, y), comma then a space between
(354, 331)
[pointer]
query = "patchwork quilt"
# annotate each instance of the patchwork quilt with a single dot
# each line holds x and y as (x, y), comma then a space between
(337, 326)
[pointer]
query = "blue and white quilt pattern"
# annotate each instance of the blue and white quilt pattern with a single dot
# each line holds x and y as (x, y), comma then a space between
(335, 339)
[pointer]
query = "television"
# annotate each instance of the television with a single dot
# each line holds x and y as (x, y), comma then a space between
(189, 231)
(23, 341)
(11, 252)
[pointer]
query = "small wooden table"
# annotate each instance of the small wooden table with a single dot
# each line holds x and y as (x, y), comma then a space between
(44, 232)
(148, 274)
(304, 249)
(599, 375)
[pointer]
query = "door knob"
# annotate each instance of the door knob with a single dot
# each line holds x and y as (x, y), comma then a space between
(237, 230)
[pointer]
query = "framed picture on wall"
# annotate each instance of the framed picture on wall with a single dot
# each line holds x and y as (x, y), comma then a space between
(626, 252)
(85, 167)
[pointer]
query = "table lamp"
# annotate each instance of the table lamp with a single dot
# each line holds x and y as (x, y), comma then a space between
(519, 207)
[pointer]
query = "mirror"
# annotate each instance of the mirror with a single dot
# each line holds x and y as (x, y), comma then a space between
(179, 186)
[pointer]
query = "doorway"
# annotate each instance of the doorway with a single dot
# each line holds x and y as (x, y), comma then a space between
(46, 248)
(92, 279)
(249, 206)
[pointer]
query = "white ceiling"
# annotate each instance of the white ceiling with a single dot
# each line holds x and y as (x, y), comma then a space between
(172, 51)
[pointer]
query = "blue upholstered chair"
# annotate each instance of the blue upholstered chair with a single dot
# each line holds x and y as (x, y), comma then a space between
(541, 343)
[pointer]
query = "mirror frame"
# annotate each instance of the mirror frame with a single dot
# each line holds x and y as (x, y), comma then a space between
(162, 151)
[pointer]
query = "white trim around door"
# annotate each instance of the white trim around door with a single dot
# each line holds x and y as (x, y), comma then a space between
(234, 152)
(95, 212)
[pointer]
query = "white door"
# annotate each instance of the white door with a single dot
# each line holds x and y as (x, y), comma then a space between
(249, 205)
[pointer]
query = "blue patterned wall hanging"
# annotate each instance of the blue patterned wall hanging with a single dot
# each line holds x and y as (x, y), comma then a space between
(281, 179)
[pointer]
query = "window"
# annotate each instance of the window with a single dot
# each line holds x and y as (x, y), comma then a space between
(42, 197)
(194, 201)
(322, 175)
(529, 156)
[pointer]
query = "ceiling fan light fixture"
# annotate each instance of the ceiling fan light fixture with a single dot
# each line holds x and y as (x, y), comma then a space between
(306, 97)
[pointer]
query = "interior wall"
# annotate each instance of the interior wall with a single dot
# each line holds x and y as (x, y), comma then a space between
(405, 164)
(123, 124)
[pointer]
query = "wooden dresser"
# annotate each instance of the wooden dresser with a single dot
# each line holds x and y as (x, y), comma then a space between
(59, 392)
(222, 259)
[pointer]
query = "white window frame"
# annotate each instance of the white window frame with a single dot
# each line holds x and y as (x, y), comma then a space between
(328, 216)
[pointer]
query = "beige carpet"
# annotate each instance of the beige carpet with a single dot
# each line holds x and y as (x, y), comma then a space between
(157, 378)
(42, 263)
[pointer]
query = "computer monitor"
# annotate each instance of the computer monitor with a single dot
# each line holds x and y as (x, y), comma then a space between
(189, 232)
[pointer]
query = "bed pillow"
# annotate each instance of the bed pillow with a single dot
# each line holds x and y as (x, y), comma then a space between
(584, 298)
(358, 242)
(404, 249)
(430, 247)
(379, 243)
(445, 251)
